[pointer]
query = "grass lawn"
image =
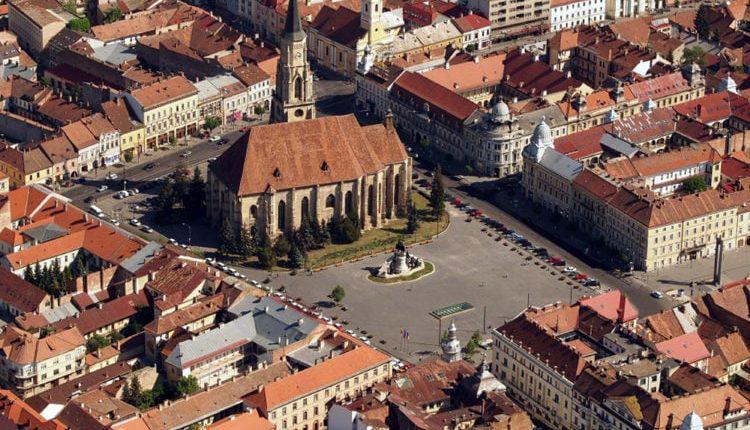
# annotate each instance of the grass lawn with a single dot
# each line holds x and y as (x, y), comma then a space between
(381, 239)
(426, 270)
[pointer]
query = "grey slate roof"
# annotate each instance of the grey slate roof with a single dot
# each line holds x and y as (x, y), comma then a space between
(115, 53)
(262, 321)
(618, 145)
(45, 233)
(137, 260)
(561, 164)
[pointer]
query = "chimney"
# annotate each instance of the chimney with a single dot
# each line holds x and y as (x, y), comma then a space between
(621, 308)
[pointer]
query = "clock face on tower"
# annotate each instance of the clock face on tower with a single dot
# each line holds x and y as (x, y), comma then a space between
(298, 54)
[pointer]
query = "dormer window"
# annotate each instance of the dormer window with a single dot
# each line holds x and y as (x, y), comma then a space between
(277, 173)
(324, 167)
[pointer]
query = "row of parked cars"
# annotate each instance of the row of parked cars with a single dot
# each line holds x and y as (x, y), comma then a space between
(523, 243)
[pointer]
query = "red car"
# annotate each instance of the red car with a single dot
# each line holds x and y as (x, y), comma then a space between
(581, 277)
(456, 202)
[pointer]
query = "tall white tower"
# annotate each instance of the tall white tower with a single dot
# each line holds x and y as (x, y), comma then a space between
(451, 346)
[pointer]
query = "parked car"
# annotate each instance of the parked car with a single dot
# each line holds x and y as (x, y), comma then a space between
(121, 195)
(111, 176)
(657, 294)
(149, 166)
(214, 139)
(186, 154)
(147, 229)
(591, 282)
(135, 222)
(101, 188)
(569, 270)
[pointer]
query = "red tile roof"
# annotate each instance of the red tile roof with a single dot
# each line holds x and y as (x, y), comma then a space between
(20, 294)
(544, 345)
(320, 151)
(419, 90)
(93, 319)
(657, 88)
(471, 22)
(612, 305)
(711, 107)
(688, 348)
(315, 378)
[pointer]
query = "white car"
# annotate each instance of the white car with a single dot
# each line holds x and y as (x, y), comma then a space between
(254, 282)
(214, 139)
(186, 154)
(172, 241)
(135, 222)
(569, 269)
(112, 176)
(147, 229)
(657, 294)
(102, 188)
(121, 195)
(114, 222)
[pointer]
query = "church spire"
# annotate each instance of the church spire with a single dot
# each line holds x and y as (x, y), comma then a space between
(293, 25)
(293, 98)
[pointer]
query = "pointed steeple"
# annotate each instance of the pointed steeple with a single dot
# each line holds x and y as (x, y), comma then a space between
(293, 25)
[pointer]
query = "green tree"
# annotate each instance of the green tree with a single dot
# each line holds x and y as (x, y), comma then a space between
(165, 203)
(437, 193)
(172, 140)
(37, 275)
(28, 274)
(211, 123)
(296, 258)
(196, 195)
(473, 343)
(113, 15)
(115, 336)
(282, 246)
(338, 293)
(694, 184)
(81, 25)
(260, 110)
(265, 254)
(128, 157)
(349, 230)
(701, 22)
(696, 55)
(226, 238)
(46, 331)
(245, 243)
(133, 393)
(186, 386)
(96, 341)
(46, 81)
(412, 218)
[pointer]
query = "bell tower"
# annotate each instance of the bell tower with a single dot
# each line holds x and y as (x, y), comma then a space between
(293, 99)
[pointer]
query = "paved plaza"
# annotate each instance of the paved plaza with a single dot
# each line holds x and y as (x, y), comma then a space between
(470, 267)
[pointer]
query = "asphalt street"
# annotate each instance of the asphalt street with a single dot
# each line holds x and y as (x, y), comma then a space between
(638, 294)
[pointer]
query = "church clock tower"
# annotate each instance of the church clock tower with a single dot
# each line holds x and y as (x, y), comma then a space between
(293, 100)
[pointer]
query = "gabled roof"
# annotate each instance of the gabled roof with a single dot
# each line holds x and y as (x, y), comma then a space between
(657, 88)
(339, 24)
(440, 99)
(471, 22)
(688, 348)
(165, 91)
(329, 372)
(319, 151)
(532, 337)
(20, 294)
(22, 348)
(612, 305)
(93, 319)
(711, 107)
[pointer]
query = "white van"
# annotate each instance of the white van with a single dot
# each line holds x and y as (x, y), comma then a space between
(95, 210)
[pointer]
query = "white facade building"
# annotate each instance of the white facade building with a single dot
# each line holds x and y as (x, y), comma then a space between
(569, 14)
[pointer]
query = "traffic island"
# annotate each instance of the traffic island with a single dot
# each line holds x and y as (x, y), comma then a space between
(426, 269)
